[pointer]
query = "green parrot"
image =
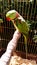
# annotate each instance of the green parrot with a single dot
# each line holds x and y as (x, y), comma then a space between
(19, 23)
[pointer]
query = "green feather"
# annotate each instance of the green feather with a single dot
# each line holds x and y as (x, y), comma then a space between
(23, 27)
(11, 15)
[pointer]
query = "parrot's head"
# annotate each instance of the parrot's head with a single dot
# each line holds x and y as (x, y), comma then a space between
(11, 15)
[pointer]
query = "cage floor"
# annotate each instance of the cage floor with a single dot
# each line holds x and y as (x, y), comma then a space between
(23, 55)
(18, 58)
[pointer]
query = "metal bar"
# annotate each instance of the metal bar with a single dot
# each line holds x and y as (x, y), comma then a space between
(14, 4)
(34, 11)
(20, 7)
(23, 8)
(7, 27)
(28, 11)
(17, 5)
(4, 39)
(31, 11)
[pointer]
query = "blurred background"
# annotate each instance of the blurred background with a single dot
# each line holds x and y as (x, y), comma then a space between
(28, 9)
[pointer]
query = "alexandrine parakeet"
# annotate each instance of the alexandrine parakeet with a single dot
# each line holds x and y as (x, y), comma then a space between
(19, 23)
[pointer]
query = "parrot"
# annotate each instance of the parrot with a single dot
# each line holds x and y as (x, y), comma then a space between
(19, 23)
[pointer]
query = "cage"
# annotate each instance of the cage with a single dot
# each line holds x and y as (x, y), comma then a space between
(28, 9)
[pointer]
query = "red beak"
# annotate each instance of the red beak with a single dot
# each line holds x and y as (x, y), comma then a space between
(7, 19)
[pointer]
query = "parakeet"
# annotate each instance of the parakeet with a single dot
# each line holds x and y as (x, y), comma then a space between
(19, 23)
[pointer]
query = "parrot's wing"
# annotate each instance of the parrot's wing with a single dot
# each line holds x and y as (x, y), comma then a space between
(22, 26)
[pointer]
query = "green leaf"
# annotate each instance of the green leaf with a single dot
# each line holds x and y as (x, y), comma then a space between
(1, 21)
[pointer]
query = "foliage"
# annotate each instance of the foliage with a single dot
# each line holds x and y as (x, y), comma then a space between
(35, 38)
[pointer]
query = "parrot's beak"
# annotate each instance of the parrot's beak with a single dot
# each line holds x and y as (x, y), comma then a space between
(8, 19)
(14, 14)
